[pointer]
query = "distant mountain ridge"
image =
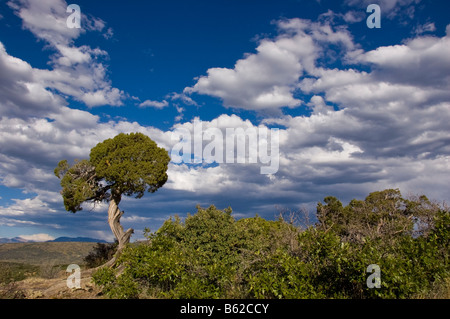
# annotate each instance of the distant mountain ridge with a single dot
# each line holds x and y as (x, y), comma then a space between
(77, 239)
(13, 240)
(59, 239)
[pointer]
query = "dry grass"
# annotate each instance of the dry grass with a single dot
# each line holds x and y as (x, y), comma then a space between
(54, 288)
(440, 290)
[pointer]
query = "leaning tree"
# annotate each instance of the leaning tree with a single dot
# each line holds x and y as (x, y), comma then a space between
(128, 164)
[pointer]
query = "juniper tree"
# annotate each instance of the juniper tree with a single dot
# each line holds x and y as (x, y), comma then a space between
(128, 164)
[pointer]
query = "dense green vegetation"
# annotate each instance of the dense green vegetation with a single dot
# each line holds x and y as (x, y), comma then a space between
(212, 255)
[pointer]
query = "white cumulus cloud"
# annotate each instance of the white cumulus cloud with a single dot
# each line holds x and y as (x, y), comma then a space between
(37, 237)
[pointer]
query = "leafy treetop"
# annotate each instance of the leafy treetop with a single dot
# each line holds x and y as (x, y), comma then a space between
(127, 164)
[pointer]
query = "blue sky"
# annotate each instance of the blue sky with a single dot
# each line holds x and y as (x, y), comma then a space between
(358, 109)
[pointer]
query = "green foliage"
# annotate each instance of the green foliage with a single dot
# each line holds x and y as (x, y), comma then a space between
(211, 255)
(131, 163)
(128, 164)
(384, 214)
(121, 287)
(78, 183)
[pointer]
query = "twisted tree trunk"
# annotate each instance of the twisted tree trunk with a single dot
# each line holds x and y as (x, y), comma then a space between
(114, 214)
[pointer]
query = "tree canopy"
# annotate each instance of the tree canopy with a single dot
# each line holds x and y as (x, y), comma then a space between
(127, 164)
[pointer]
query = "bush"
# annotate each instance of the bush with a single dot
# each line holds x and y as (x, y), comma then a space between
(121, 287)
(210, 255)
(100, 254)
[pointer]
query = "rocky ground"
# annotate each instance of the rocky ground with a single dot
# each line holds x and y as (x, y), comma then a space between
(56, 288)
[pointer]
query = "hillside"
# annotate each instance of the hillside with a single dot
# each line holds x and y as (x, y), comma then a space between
(13, 240)
(55, 253)
(59, 239)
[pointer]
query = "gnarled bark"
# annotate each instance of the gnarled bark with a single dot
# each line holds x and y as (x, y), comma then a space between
(114, 214)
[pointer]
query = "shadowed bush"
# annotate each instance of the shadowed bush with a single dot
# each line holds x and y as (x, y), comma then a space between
(100, 254)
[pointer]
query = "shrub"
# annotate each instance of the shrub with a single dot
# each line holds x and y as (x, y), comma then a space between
(210, 255)
(121, 287)
(100, 254)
